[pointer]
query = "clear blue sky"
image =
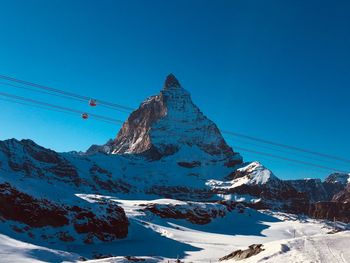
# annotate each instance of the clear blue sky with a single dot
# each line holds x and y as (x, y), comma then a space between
(279, 70)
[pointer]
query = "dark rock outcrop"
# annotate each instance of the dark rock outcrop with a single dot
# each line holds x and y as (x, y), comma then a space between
(21, 207)
(242, 254)
(190, 164)
(331, 211)
(336, 209)
(109, 224)
(195, 213)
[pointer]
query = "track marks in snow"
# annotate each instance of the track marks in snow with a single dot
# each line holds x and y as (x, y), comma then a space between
(324, 248)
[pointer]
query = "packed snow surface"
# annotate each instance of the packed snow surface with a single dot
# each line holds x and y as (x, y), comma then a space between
(157, 239)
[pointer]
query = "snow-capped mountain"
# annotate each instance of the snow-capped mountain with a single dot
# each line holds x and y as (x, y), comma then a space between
(169, 171)
(166, 123)
(253, 180)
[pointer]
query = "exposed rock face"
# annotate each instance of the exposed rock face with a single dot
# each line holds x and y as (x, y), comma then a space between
(317, 190)
(242, 254)
(196, 213)
(166, 122)
(109, 224)
(331, 210)
(313, 188)
(18, 206)
(338, 208)
(343, 196)
(336, 183)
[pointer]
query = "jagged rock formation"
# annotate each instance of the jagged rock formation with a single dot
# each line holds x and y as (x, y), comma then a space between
(313, 188)
(321, 191)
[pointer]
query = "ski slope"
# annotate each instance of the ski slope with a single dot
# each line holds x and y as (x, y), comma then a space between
(306, 249)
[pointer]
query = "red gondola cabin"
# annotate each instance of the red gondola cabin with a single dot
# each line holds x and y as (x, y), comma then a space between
(84, 116)
(92, 102)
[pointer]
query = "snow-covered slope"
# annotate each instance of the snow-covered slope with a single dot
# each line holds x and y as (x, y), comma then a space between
(307, 249)
(175, 176)
(13, 250)
(158, 238)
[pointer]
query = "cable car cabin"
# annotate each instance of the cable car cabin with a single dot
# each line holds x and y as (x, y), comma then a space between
(92, 102)
(84, 116)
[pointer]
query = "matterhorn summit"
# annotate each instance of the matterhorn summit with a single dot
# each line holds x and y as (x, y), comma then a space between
(168, 123)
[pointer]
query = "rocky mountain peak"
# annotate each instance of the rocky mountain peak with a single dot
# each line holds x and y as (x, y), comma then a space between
(338, 178)
(168, 123)
(171, 82)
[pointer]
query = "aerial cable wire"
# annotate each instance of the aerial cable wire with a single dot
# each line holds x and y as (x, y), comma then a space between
(286, 146)
(239, 140)
(293, 164)
(128, 109)
(290, 159)
(58, 95)
(69, 94)
(59, 107)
